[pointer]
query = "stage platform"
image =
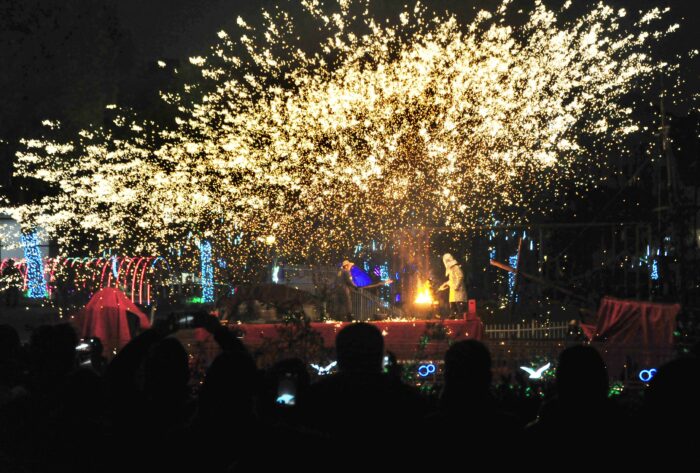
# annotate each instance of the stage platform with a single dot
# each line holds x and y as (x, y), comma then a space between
(406, 339)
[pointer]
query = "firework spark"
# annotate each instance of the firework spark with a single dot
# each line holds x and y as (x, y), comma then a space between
(417, 121)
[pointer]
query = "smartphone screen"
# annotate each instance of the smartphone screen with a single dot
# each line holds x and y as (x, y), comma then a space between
(287, 390)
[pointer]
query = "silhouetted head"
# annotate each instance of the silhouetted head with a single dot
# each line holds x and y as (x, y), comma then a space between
(360, 348)
(52, 349)
(166, 371)
(581, 375)
(9, 343)
(294, 367)
(468, 367)
(97, 347)
(229, 386)
(672, 394)
(83, 393)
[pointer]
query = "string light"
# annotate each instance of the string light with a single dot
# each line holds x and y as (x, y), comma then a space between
(207, 271)
(36, 284)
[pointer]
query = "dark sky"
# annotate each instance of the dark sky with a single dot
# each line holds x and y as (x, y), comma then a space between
(174, 28)
(68, 59)
(177, 29)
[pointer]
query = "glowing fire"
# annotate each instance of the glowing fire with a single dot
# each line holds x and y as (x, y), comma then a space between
(425, 295)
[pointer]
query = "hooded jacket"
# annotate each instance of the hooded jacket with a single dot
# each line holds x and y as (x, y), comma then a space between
(458, 291)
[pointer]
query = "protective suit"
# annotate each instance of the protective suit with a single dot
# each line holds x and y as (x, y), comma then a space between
(458, 291)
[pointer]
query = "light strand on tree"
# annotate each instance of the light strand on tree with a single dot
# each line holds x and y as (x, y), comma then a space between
(36, 283)
(207, 269)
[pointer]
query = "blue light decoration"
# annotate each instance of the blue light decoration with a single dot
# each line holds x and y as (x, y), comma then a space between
(647, 375)
(276, 274)
(513, 262)
(222, 263)
(35, 266)
(384, 271)
(426, 370)
(492, 253)
(654, 274)
(207, 271)
(286, 399)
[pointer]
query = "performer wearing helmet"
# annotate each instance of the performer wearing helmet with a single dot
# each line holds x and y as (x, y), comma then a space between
(458, 292)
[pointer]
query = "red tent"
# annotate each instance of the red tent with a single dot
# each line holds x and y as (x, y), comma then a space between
(105, 317)
(633, 334)
(637, 323)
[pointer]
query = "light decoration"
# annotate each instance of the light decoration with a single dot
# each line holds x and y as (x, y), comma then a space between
(654, 274)
(426, 370)
(115, 269)
(207, 271)
(36, 284)
(537, 372)
(286, 399)
(275, 274)
(513, 262)
(324, 370)
(647, 375)
(384, 271)
(353, 140)
(424, 296)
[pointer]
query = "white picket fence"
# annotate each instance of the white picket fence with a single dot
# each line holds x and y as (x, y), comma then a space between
(532, 330)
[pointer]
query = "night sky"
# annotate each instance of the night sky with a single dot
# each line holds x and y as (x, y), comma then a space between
(179, 28)
(67, 60)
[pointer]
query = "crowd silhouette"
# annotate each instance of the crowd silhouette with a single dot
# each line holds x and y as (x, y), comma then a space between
(139, 412)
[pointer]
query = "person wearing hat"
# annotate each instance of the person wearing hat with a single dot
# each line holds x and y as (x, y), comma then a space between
(345, 287)
(455, 283)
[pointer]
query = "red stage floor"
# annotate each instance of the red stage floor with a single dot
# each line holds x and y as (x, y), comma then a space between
(401, 338)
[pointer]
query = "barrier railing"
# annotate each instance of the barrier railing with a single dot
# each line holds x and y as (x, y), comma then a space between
(367, 306)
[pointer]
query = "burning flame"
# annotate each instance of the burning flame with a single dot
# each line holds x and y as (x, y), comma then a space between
(425, 295)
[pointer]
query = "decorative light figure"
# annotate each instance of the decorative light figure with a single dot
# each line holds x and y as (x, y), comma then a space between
(324, 370)
(426, 370)
(647, 375)
(536, 373)
(654, 276)
(35, 266)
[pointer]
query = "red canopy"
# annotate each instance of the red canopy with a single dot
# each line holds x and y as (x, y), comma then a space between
(633, 335)
(105, 317)
(639, 323)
